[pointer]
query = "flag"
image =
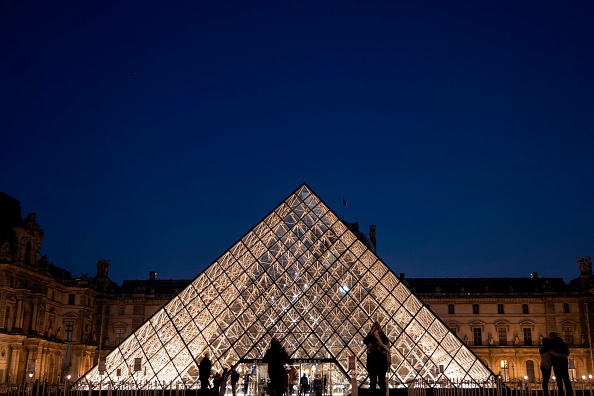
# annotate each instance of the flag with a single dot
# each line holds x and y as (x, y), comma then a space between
(345, 203)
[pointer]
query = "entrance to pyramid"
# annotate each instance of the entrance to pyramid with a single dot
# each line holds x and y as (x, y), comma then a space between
(307, 278)
(303, 377)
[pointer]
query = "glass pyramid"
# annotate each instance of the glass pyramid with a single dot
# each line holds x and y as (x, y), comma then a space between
(302, 276)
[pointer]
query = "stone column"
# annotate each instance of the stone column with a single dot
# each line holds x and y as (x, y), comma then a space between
(18, 315)
(13, 367)
(34, 312)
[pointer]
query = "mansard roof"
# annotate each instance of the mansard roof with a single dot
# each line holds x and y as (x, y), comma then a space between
(487, 285)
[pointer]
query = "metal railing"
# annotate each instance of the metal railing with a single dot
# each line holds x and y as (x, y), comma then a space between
(493, 387)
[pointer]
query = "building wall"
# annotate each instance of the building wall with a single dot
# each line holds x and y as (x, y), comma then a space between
(43, 310)
(521, 333)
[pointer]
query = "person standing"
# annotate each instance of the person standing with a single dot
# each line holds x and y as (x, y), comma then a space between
(276, 357)
(378, 358)
(216, 383)
(204, 373)
(545, 364)
(304, 385)
(560, 364)
(234, 378)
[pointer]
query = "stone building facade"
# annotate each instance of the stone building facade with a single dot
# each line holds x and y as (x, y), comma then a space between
(53, 324)
(503, 320)
(46, 315)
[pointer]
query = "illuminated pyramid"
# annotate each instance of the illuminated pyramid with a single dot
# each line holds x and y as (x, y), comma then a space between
(302, 276)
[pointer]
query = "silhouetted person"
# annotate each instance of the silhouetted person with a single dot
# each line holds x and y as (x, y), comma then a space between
(317, 385)
(560, 364)
(546, 363)
(216, 383)
(204, 373)
(234, 378)
(378, 358)
(276, 357)
(303, 384)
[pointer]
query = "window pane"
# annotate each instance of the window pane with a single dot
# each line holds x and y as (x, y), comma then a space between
(478, 336)
(502, 332)
(530, 370)
(528, 337)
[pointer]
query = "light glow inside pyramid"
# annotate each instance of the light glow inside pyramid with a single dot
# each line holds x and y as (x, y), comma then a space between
(302, 276)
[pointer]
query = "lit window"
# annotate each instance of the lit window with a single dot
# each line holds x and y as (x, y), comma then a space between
(530, 370)
(572, 370)
(504, 370)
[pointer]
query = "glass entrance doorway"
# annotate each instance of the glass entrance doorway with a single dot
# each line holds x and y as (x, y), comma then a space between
(306, 378)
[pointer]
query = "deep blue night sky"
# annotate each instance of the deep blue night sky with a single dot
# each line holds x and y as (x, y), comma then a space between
(156, 135)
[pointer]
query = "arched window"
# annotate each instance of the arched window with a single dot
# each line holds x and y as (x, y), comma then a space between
(504, 364)
(530, 370)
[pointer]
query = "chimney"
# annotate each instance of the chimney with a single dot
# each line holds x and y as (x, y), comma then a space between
(372, 237)
(152, 275)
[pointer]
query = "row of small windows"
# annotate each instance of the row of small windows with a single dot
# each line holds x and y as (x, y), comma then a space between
(477, 335)
(500, 309)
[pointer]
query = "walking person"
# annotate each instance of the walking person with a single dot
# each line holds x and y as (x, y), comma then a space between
(276, 357)
(204, 373)
(378, 359)
(560, 364)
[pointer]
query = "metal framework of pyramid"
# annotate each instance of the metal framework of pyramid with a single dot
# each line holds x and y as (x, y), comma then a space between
(302, 276)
